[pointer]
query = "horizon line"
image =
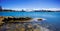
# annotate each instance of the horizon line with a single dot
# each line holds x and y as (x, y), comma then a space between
(33, 8)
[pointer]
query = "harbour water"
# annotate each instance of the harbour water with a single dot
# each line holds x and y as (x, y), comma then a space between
(52, 18)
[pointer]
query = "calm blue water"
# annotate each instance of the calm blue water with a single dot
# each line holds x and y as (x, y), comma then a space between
(52, 17)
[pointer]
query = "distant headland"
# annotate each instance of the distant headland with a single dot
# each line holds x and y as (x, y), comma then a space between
(9, 10)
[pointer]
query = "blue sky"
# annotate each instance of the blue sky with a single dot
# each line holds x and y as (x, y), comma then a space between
(14, 4)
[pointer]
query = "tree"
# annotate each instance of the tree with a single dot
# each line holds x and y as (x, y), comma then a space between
(0, 8)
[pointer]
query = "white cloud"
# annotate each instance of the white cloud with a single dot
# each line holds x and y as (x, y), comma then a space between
(52, 9)
(30, 9)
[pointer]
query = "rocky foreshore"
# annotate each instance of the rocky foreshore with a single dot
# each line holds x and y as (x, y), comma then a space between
(14, 19)
(9, 19)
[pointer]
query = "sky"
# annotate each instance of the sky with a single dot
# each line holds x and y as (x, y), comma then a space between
(30, 4)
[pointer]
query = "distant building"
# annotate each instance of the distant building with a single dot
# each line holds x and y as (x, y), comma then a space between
(22, 10)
